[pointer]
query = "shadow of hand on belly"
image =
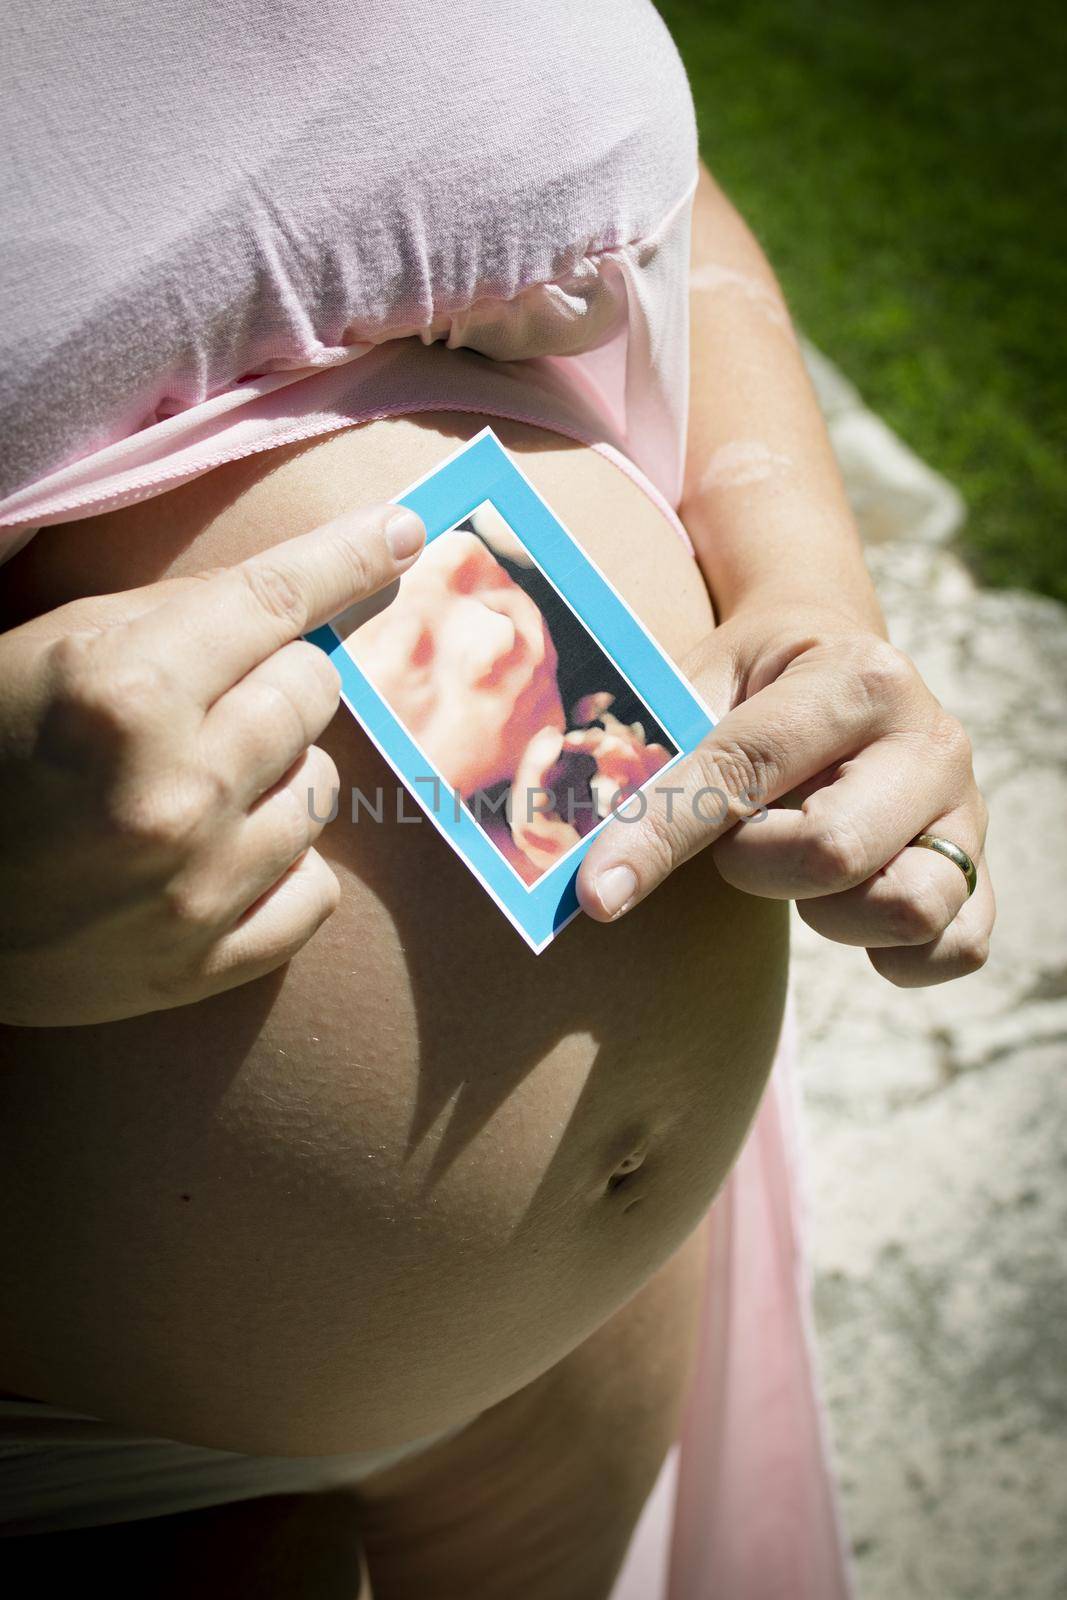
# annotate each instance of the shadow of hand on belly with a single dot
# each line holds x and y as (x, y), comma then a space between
(619, 1068)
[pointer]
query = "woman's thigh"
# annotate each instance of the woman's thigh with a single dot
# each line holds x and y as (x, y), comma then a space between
(370, 1197)
(538, 1498)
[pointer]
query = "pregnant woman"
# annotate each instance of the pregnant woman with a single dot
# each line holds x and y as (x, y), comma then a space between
(389, 1269)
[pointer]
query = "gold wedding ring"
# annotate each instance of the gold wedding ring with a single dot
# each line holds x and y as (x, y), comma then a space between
(951, 852)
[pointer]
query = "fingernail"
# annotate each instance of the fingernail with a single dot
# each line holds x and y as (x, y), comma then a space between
(614, 887)
(404, 534)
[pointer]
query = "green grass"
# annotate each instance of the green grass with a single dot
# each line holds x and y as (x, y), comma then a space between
(904, 164)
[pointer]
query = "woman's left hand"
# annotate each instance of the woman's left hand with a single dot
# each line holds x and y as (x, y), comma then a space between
(835, 723)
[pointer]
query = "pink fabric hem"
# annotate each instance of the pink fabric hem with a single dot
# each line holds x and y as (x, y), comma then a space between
(153, 483)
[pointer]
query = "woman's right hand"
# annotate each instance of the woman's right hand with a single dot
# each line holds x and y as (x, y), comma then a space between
(157, 767)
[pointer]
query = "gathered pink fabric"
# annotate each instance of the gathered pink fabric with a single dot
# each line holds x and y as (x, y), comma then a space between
(231, 226)
(210, 208)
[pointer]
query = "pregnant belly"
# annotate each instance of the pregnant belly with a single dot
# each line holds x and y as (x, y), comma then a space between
(364, 1199)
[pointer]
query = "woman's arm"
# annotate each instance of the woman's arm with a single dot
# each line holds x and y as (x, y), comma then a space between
(821, 712)
(763, 499)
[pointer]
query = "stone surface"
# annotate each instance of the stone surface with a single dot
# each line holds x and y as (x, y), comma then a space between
(936, 1119)
(893, 492)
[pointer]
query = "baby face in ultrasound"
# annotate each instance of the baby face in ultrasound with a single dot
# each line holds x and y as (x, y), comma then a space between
(463, 657)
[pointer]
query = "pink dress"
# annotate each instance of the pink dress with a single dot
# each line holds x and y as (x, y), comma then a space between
(234, 226)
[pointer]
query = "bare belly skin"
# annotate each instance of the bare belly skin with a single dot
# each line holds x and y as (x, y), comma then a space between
(367, 1198)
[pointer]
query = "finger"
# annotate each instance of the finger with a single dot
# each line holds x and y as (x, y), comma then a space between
(809, 717)
(910, 901)
(32, 675)
(847, 830)
(275, 928)
(214, 634)
(282, 825)
(215, 888)
(961, 949)
(259, 728)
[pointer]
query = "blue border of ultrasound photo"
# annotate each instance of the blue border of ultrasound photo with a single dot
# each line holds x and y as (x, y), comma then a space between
(484, 471)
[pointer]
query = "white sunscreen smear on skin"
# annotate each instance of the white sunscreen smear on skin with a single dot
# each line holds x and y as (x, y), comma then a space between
(711, 277)
(743, 462)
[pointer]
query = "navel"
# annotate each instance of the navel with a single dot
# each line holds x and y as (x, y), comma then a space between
(625, 1170)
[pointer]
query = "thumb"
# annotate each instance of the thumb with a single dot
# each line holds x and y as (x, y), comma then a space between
(761, 750)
